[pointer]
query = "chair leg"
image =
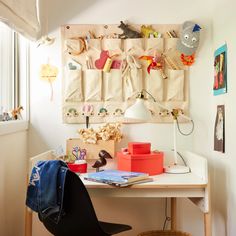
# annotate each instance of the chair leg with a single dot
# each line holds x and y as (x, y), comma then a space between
(28, 222)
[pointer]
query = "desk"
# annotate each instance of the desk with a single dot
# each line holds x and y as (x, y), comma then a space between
(193, 186)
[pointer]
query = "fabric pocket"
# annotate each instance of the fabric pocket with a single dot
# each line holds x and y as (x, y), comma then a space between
(154, 44)
(74, 91)
(112, 85)
(134, 46)
(92, 84)
(154, 84)
(170, 43)
(133, 83)
(113, 45)
(93, 53)
(175, 85)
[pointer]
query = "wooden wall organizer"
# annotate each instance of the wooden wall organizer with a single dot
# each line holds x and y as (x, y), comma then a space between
(109, 90)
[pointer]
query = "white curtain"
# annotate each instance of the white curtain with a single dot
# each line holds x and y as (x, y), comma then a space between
(22, 16)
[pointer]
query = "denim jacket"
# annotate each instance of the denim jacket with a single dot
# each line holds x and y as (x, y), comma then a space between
(46, 189)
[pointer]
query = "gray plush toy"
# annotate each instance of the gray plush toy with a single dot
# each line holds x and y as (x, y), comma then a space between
(189, 38)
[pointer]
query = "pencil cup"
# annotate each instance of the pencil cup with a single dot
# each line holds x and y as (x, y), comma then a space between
(80, 166)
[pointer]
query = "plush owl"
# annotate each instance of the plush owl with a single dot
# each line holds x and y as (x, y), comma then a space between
(189, 38)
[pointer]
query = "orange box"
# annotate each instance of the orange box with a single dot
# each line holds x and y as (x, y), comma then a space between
(139, 148)
(147, 163)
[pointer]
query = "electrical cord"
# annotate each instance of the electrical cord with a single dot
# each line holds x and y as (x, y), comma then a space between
(167, 218)
(181, 132)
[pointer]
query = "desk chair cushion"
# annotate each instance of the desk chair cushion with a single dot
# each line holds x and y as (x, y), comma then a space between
(80, 217)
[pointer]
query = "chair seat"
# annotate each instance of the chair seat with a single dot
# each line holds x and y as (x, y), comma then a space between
(112, 228)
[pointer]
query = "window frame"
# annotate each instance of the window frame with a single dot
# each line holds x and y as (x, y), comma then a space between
(19, 85)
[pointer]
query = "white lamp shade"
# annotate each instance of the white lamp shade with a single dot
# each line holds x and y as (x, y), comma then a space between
(138, 111)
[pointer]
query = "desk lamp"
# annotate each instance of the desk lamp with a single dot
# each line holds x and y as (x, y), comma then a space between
(138, 111)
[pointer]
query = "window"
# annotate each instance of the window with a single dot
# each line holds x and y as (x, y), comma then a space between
(13, 70)
(6, 68)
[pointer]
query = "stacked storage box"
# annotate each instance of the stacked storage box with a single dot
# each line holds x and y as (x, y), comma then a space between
(140, 158)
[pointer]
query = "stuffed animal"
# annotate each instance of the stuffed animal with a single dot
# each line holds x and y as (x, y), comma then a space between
(127, 32)
(148, 32)
(189, 38)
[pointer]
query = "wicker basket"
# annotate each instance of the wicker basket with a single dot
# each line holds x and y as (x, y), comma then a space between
(164, 233)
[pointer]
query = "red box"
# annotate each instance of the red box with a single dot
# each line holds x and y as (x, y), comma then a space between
(139, 148)
(147, 163)
(78, 168)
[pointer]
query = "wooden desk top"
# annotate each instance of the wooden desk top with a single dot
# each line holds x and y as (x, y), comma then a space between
(173, 181)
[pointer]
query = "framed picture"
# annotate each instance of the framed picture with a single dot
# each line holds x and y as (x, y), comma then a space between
(219, 133)
(220, 70)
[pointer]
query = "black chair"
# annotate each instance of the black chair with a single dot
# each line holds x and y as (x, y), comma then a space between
(80, 218)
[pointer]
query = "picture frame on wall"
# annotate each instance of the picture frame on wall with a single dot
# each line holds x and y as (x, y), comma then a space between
(220, 71)
(219, 133)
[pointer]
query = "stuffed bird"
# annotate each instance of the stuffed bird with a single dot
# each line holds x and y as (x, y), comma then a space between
(102, 160)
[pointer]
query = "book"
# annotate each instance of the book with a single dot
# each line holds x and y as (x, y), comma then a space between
(118, 178)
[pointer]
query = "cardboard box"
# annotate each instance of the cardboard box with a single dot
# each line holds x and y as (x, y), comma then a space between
(139, 148)
(92, 149)
(147, 163)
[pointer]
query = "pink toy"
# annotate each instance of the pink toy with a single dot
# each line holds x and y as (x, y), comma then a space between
(99, 63)
(116, 64)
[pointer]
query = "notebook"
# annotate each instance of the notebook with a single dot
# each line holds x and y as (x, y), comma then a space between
(118, 178)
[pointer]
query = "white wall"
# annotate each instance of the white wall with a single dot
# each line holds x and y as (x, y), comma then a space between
(224, 174)
(13, 164)
(47, 130)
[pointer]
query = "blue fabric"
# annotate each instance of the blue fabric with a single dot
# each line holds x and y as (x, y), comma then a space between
(46, 189)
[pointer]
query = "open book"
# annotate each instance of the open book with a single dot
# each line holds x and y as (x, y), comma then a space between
(118, 178)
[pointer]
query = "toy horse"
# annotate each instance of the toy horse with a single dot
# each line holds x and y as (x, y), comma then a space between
(16, 113)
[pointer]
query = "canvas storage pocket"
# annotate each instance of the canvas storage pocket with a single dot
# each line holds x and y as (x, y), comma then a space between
(112, 85)
(134, 46)
(154, 84)
(152, 44)
(92, 85)
(112, 45)
(170, 43)
(93, 52)
(74, 91)
(175, 85)
(133, 83)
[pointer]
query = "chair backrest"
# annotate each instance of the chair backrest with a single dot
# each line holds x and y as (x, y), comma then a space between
(41, 157)
(80, 217)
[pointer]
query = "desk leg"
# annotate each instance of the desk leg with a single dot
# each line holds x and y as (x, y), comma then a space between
(173, 213)
(207, 224)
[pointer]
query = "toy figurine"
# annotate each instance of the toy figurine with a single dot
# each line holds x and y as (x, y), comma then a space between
(127, 32)
(148, 32)
(189, 38)
(16, 113)
(102, 160)
(188, 42)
